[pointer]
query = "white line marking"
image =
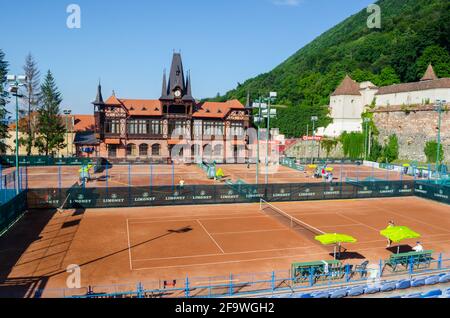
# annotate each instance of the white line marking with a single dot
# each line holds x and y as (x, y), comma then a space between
(217, 244)
(129, 247)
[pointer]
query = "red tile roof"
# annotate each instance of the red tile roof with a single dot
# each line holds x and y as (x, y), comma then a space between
(217, 109)
(416, 86)
(142, 107)
(153, 107)
(83, 123)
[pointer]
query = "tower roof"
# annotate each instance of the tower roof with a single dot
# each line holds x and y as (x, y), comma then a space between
(429, 74)
(99, 98)
(347, 87)
(188, 96)
(176, 77)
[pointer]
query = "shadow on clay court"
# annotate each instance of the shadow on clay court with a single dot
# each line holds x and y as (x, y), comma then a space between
(403, 249)
(348, 255)
(13, 245)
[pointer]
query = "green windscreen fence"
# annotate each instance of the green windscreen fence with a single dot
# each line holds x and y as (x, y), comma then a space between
(77, 197)
(433, 190)
(45, 161)
(12, 210)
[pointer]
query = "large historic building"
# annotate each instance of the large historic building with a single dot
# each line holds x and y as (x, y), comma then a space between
(173, 125)
(349, 100)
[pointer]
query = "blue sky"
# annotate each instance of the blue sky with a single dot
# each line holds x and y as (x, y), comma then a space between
(128, 43)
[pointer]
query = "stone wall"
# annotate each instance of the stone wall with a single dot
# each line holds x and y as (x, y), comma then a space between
(306, 149)
(414, 127)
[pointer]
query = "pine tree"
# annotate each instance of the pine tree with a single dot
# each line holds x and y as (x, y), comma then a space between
(32, 99)
(3, 95)
(51, 129)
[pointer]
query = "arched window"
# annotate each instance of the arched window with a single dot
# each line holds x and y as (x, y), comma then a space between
(156, 150)
(131, 150)
(143, 150)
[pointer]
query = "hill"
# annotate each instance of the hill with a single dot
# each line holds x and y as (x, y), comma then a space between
(413, 34)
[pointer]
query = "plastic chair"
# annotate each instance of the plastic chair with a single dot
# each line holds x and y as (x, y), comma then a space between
(432, 280)
(356, 291)
(403, 284)
(416, 295)
(321, 295)
(444, 279)
(371, 290)
(418, 282)
(432, 293)
(388, 287)
(339, 293)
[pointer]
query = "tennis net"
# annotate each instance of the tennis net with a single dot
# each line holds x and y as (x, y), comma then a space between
(299, 226)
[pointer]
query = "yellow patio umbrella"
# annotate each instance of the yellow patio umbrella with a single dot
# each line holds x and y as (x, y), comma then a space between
(336, 239)
(329, 169)
(399, 233)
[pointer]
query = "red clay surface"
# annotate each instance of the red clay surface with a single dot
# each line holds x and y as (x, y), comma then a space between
(282, 174)
(130, 245)
(146, 175)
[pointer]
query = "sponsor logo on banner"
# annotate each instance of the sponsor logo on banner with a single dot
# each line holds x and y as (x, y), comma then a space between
(145, 198)
(114, 199)
(282, 194)
(202, 196)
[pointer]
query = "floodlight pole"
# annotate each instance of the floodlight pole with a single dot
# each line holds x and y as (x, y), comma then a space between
(313, 119)
(267, 141)
(17, 139)
(257, 138)
(439, 105)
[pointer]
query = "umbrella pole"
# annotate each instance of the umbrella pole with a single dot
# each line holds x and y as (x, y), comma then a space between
(398, 249)
(334, 252)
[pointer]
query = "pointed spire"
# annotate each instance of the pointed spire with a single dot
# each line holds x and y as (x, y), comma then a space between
(99, 98)
(176, 77)
(164, 92)
(188, 95)
(429, 74)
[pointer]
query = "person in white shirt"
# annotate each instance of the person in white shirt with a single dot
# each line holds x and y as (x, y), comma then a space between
(418, 247)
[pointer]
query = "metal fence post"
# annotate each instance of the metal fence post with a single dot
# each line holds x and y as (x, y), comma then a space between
(129, 174)
(440, 261)
(411, 265)
(139, 290)
(347, 273)
(380, 269)
(59, 177)
(186, 287)
(311, 276)
(106, 177)
(273, 281)
(151, 175)
(230, 290)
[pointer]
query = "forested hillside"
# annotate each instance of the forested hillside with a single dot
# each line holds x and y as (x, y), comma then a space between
(413, 34)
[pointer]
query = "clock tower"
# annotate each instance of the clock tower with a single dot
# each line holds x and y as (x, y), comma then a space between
(176, 96)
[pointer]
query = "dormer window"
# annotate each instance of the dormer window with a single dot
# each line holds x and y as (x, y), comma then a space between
(143, 108)
(207, 111)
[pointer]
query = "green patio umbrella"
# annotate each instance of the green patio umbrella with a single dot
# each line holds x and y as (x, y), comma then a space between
(336, 239)
(399, 233)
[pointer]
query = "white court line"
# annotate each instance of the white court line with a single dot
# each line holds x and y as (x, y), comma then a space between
(195, 218)
(217, 244)
(129, 247)
(255, 231)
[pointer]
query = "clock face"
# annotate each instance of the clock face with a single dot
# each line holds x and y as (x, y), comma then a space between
(177, 93)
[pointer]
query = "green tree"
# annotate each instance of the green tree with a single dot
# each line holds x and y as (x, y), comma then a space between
(388, 76)
(51, 130)
(3, 96)
(438, 57)
(328, 145)
(32, 97)
(352, 144)
(430, 151)
(391, 149)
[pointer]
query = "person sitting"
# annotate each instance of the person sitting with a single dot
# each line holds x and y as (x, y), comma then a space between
(418, 248)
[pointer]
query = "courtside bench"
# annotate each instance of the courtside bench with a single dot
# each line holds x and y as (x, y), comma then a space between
(301, 272)
(403, 260)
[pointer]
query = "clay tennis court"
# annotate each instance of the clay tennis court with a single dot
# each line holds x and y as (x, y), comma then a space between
(160, 175)
(129, 245)
(282, 174)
